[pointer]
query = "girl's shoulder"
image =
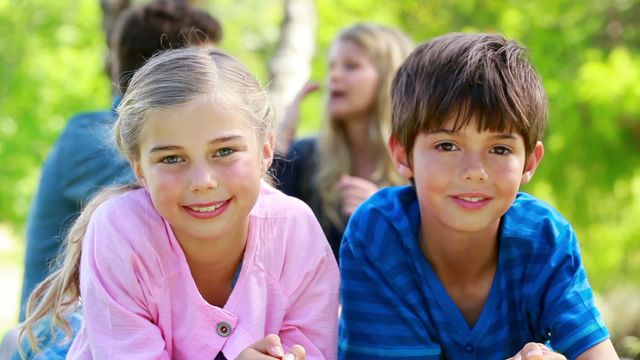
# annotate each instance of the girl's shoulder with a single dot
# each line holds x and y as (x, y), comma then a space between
(127, 208)
(285, 226)
(273, 203)
(129, 221)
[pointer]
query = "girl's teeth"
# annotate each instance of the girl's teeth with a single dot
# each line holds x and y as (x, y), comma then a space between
(471, 198)
(206, 209)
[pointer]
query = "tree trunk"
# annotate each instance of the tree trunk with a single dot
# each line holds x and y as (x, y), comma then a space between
(111, 9)
(290, 67)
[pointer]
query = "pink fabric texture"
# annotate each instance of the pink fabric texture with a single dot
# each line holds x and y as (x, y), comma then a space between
(140, 301)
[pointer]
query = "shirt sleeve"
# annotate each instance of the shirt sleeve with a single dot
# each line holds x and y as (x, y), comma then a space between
(117, 289)
(571, 317)
(311, 284)
(380, 311)
(92, 163)
(292, 170)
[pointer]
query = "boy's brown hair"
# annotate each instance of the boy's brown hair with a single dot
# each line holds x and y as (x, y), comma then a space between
(468, 76)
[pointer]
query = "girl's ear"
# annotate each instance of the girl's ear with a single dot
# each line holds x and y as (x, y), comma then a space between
(267, 152)
(532, 163)
(137, 170)
(400, 158)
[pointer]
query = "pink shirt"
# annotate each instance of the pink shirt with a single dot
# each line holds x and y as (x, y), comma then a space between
(140, 301)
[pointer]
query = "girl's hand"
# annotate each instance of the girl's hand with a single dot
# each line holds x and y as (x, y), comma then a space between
(269, 348)
(537, 351)
(354, 191)
(288, 125)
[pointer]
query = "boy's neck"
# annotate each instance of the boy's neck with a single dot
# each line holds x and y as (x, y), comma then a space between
(459, 258)
(465, 264)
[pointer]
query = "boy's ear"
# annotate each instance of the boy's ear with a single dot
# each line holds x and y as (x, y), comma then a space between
(400, 158)
(532, 163)
(137, 170)
(267, 152)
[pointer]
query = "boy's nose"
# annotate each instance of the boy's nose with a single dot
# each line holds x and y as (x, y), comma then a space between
(473, 169)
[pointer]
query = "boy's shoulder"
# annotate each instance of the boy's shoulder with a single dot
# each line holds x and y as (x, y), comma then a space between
(389, 217)
(535, 221)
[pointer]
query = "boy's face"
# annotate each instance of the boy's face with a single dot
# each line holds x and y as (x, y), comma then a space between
(466, 180)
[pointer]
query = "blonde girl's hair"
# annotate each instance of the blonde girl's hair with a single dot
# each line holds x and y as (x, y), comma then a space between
(387, 48)
(171, 78)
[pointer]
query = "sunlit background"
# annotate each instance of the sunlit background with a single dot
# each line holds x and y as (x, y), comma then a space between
(588, 52)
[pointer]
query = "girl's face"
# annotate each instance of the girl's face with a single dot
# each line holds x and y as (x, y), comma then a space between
(352, 83)
(202, 164)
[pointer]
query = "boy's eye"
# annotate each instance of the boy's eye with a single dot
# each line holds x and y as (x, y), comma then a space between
(171, 159)
(224, 152)
(501, 150)
(446, 146)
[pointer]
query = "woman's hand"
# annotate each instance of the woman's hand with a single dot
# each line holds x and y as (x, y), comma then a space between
(288, 126)
(354, 191)
(537, 351)
(270, 347)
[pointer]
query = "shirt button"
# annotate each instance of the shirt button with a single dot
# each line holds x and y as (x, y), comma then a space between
(224, 329)
(468, 348)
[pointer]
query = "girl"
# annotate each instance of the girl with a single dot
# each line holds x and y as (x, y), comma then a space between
(203, 259)
(347, 163)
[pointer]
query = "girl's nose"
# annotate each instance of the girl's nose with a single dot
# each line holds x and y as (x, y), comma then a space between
(203, 179)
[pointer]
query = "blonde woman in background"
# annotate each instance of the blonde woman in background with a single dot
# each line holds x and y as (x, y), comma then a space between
(348, 161)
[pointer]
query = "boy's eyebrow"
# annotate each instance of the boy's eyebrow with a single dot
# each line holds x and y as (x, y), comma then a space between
(444, 131)
(216, 141)
(496, 136)
(502, 136)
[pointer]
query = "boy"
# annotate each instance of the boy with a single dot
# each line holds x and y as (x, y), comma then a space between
(460, 265)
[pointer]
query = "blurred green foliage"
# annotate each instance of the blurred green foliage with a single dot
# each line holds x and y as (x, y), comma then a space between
(51, 66)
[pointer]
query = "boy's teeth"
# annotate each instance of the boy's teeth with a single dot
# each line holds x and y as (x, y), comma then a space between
(471, 198)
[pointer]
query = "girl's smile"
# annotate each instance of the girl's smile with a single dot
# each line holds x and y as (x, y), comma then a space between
(207, 210)
(202, 165)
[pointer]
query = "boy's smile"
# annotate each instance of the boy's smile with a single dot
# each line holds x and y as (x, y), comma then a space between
(467, 179)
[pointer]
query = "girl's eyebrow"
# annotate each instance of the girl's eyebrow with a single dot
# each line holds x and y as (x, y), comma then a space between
(222, 139)
(159, 148)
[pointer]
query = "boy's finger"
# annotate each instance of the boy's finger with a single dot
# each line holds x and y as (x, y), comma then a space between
(534, 355)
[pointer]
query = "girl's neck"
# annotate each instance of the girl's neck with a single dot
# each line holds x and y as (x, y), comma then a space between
(214, 263)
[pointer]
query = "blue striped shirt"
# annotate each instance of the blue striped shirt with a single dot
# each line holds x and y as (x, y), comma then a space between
(395, 307)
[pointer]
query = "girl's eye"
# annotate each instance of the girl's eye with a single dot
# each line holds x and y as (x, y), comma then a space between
(172, 159)
(501, 150)
(447, 146)
(224, 152)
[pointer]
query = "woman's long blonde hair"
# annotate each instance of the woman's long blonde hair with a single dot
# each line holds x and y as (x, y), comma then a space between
(387, 48)
(171, 78)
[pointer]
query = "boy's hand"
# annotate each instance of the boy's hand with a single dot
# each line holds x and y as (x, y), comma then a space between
(536, 351)
(354, 191)
(269, 348)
